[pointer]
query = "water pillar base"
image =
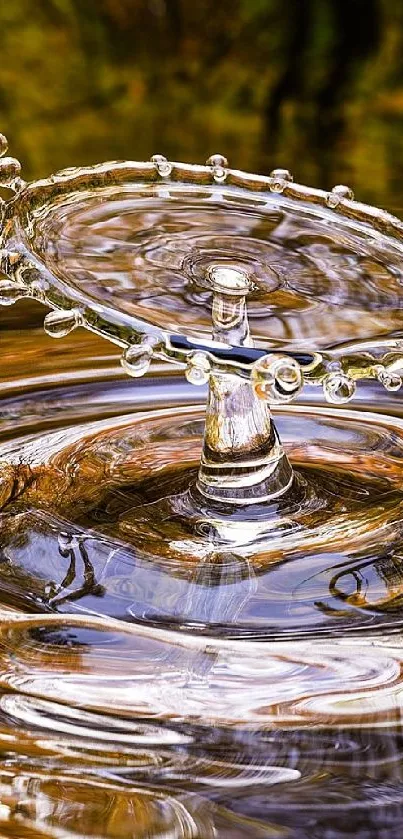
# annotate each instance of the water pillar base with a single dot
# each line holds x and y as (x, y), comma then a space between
(243, 461)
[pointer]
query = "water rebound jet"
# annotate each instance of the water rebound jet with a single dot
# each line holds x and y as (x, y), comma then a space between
(264, 290)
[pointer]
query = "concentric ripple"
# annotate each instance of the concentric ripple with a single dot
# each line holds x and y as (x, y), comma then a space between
(173, 670)
(146, 251)
(206, 731)
(103, 516)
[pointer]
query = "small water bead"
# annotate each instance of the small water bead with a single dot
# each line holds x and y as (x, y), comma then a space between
(162, 165)
(344, 192)
(338, 388)
(61, 322)
(219, 165)
(280, 179)
(339, 192)
(10, 171)
(391, 381)
(3, 145)
(277, 378)
(137, 358)
(198, 369)
(332, 200)
(10, 292)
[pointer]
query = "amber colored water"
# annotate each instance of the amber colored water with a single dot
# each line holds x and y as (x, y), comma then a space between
(192, 694)
(168, 668)
(159, 677)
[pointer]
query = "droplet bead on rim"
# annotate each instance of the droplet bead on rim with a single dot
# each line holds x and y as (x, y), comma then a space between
(198, 369)
(277, 379)
(3, 145)
(162, 165)
(280, 179)
(10, 171)
(391, 381)
(137, 358)
(219, 166)
(60, 322)
(339, 192)
(339, 388)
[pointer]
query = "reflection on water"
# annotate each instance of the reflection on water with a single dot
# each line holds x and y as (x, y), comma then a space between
(215, 692)
(168, 667)
(147, 250)
(109, 503)
(122, 729)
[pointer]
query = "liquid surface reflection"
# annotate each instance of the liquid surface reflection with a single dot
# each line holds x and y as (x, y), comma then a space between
(215, 694)
(173, 663)
(146, 250)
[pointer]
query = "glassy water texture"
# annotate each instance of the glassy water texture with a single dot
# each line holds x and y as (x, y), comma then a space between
(147, 250)
(165, 670)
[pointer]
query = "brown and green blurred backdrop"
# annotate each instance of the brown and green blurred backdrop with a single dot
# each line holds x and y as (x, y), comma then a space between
(314, 85)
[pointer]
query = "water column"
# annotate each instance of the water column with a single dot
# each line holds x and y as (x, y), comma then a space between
(243, 461)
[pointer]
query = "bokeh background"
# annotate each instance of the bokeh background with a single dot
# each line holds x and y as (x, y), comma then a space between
(315, 86)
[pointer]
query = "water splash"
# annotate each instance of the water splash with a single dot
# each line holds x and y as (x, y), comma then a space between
(163, 669)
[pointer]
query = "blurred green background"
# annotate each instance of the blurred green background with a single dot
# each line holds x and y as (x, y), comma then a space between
(313, 85)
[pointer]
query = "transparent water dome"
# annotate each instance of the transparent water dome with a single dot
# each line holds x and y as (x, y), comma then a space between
(137, 242)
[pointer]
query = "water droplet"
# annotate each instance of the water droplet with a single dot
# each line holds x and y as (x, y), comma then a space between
(219, 165)
(162, 165)
(280, 179)
(10, 171)
(61, 322)
(276, 378)
(198, 369)
(10, 292)
(391, 381)
(3, 145)
(332, 200)
(338, 388)
(338, 192)
(217, 160)
(343, 191)
(283, 174)
(136, 359)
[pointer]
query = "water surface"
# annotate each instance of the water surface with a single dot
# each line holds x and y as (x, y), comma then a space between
(166, 669)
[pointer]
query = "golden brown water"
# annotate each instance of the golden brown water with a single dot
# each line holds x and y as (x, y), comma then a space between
(122, 729)
(212, 693)
(172, 667)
